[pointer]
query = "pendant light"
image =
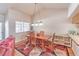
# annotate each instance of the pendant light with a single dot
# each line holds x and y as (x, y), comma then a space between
(33, 16)
(38, 23)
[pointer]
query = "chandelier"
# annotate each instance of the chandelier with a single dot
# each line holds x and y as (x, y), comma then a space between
(39, 22)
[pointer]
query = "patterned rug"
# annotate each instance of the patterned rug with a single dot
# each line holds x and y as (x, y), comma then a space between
(48, 54)
(30, 50)
(24, 49)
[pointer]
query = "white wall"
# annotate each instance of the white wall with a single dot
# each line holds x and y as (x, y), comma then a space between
(55, 21)
(15, 15)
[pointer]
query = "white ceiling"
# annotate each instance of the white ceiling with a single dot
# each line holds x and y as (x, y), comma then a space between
(28, 8)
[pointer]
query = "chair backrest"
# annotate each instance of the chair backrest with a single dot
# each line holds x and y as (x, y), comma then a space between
(49, 43)
(42, 33)
(32, 38)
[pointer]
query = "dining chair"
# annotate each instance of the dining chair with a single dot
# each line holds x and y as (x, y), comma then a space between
(42, 33)
(49, 45)
(32, 39)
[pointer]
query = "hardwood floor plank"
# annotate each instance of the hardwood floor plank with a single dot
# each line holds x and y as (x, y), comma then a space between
(70, 51)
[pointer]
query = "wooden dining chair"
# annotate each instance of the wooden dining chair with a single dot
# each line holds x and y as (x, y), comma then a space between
(49, 45)
(42, 33)
(32, 39)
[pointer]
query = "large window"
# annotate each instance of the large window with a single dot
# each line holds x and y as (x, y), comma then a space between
(22, 26)
(6, 29)
(0, 31)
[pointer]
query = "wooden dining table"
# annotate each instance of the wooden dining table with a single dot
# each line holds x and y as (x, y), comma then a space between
(41, 38)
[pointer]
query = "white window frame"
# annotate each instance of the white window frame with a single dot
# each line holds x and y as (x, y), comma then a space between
(22, 26)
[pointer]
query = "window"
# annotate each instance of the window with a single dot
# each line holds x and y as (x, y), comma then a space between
(0, 31)
(26, 26)
(6, 29)
(22, 26)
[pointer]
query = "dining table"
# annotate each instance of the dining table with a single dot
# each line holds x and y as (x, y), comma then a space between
(42, 38)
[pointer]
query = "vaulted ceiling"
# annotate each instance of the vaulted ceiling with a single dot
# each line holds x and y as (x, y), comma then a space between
(28, 8)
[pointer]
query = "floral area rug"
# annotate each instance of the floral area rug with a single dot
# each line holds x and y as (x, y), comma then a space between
(25, 49)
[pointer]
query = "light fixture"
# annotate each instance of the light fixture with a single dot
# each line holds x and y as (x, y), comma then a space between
(38, 23)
